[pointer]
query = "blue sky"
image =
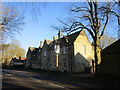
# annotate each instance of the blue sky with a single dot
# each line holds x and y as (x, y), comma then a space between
(36, 31)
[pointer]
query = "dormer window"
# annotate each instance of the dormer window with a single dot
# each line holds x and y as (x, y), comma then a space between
(57, 49)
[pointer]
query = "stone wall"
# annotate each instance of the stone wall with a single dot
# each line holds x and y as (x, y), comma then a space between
(83, 53)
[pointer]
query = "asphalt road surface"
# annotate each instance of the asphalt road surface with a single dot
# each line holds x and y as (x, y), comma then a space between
(27, 80)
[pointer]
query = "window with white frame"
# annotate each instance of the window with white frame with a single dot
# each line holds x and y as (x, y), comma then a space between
(45, 53)
(57, 48)
(64, 50)
(83, 49)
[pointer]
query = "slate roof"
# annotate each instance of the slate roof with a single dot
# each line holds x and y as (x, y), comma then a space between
(35, 51)
(72, 37)
(114, 48)
(31, 48)
(17, 60)
(65, 40)
(51, 45)
(48, 42)
(69, 39)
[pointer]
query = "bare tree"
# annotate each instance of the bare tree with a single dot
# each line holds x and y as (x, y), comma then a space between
(115, 11)
(93, 17)
(10, 22)
(31, 8)
(11, 50)
(118, 16)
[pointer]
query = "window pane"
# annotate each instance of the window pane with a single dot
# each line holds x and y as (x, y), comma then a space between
(64, 50)
(44, 53)
(84, 49)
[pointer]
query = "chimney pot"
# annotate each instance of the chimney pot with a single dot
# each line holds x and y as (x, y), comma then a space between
(41, 43)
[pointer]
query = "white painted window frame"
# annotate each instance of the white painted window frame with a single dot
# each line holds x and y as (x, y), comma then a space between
(84, 49)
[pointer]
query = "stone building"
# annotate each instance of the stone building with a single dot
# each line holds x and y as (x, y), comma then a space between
(17, 62)
(75, 53)
(52, 55)
(32, 60)
(82, 51)
(39, 55)
(45, 55)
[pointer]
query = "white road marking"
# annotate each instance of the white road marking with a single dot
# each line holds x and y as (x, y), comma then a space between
(39, 80)
(56, 85)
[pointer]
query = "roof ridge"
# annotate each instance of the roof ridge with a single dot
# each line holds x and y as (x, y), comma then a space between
(48, 41)
(74, 33)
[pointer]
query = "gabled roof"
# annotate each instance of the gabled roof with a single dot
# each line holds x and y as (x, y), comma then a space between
(35, 51)
(114, 48)
(17, 60)
(69, 39)
(72, 37)
(31, 48)
(48, 42)
(51, 45)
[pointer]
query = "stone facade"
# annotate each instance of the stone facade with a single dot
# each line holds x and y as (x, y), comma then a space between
(83, 53)
(52, 57)
(75, 55)
(45, 55)
(32, 60)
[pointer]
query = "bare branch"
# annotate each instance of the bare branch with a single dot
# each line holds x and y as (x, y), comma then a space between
(11, 21)
(91, 33)
(114, 13)
(64, 23)
(104, 25)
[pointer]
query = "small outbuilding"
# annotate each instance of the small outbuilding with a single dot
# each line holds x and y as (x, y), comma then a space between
(110, 63)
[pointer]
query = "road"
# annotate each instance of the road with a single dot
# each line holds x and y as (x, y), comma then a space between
(13, 79)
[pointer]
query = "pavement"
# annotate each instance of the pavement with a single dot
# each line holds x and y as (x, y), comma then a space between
(57, 80)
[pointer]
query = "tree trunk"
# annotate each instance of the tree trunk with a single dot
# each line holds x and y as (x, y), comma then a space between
(97, 54)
